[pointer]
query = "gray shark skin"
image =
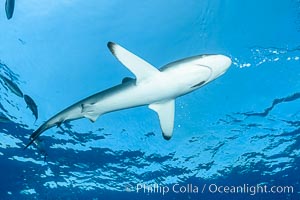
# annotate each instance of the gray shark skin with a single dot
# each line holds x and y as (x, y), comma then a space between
(12, 86)
(153, 87)
(9, 8)
(31, 105)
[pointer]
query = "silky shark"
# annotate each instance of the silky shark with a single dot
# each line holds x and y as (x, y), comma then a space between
(157, 88)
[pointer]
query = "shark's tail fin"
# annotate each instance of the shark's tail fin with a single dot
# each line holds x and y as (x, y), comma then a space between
(36, 134)
(31, 141)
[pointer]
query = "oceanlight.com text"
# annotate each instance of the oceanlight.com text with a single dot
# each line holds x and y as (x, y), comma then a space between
(249, 189)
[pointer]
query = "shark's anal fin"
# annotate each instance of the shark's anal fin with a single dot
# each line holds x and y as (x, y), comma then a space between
(88, 112)
(59, 124)
(166, 113)
(139, 67)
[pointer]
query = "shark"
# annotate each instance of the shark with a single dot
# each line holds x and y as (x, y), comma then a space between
(152, 87)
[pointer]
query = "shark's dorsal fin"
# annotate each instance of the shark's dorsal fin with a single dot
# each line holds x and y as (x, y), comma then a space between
(165, 112)
(139, 67)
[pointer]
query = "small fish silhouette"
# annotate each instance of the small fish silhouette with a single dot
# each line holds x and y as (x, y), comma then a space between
(31, 105)
(9, 8)
(12, 86)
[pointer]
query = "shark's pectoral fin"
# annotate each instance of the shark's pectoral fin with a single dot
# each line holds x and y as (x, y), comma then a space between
(88, 112)
(166, 112)
(139, 67)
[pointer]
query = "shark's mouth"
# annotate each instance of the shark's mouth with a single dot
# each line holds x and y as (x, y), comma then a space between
(207, 79)
(198, 84)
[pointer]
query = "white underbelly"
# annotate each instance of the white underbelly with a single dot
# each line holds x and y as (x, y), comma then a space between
(138, 95)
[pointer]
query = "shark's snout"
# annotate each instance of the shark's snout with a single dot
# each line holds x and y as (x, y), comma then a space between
(226, 62)
(219, 64)
(222, 64)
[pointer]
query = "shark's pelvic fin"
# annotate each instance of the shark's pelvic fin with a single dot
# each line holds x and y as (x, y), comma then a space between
(165, 112)
(88, 112)
(127, 79)
(139, 67)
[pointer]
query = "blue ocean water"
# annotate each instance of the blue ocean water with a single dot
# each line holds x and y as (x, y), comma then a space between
(240, 132)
